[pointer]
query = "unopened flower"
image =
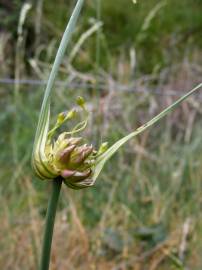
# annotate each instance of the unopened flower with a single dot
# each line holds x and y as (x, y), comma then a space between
(67, 156)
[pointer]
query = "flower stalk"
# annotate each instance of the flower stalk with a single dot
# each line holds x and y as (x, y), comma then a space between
(49, 226)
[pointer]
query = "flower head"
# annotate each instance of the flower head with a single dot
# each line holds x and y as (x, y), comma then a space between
(68, 156)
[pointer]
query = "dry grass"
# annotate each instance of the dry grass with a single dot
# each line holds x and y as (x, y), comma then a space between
(74, 247)
(147, 194)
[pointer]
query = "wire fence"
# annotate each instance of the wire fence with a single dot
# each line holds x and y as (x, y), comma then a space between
(100, 86)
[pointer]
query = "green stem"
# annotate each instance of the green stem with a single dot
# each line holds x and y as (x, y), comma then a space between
(49, 226)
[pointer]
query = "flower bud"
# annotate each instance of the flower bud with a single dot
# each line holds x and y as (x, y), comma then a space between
(66, 153)
(75, 141)
(67, 156)
(80, 101)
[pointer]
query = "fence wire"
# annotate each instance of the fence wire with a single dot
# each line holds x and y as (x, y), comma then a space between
(100, 86)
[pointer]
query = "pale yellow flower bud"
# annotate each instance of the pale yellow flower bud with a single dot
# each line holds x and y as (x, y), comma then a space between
(67, 156)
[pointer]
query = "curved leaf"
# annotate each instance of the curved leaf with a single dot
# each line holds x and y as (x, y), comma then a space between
(102, 159)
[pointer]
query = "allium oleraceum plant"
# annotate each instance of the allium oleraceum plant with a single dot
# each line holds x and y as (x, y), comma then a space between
(68, 159)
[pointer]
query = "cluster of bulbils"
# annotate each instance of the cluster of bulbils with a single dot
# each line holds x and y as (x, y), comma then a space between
(67, 156)
(71, 160)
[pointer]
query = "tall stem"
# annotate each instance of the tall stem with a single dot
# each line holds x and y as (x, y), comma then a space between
(49, 226)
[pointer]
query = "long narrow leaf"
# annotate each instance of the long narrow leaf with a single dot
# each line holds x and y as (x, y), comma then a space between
(112, 150)
(39, 159)
(44, 114)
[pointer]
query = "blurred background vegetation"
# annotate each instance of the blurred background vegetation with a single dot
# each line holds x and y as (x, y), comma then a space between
(129, 61)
